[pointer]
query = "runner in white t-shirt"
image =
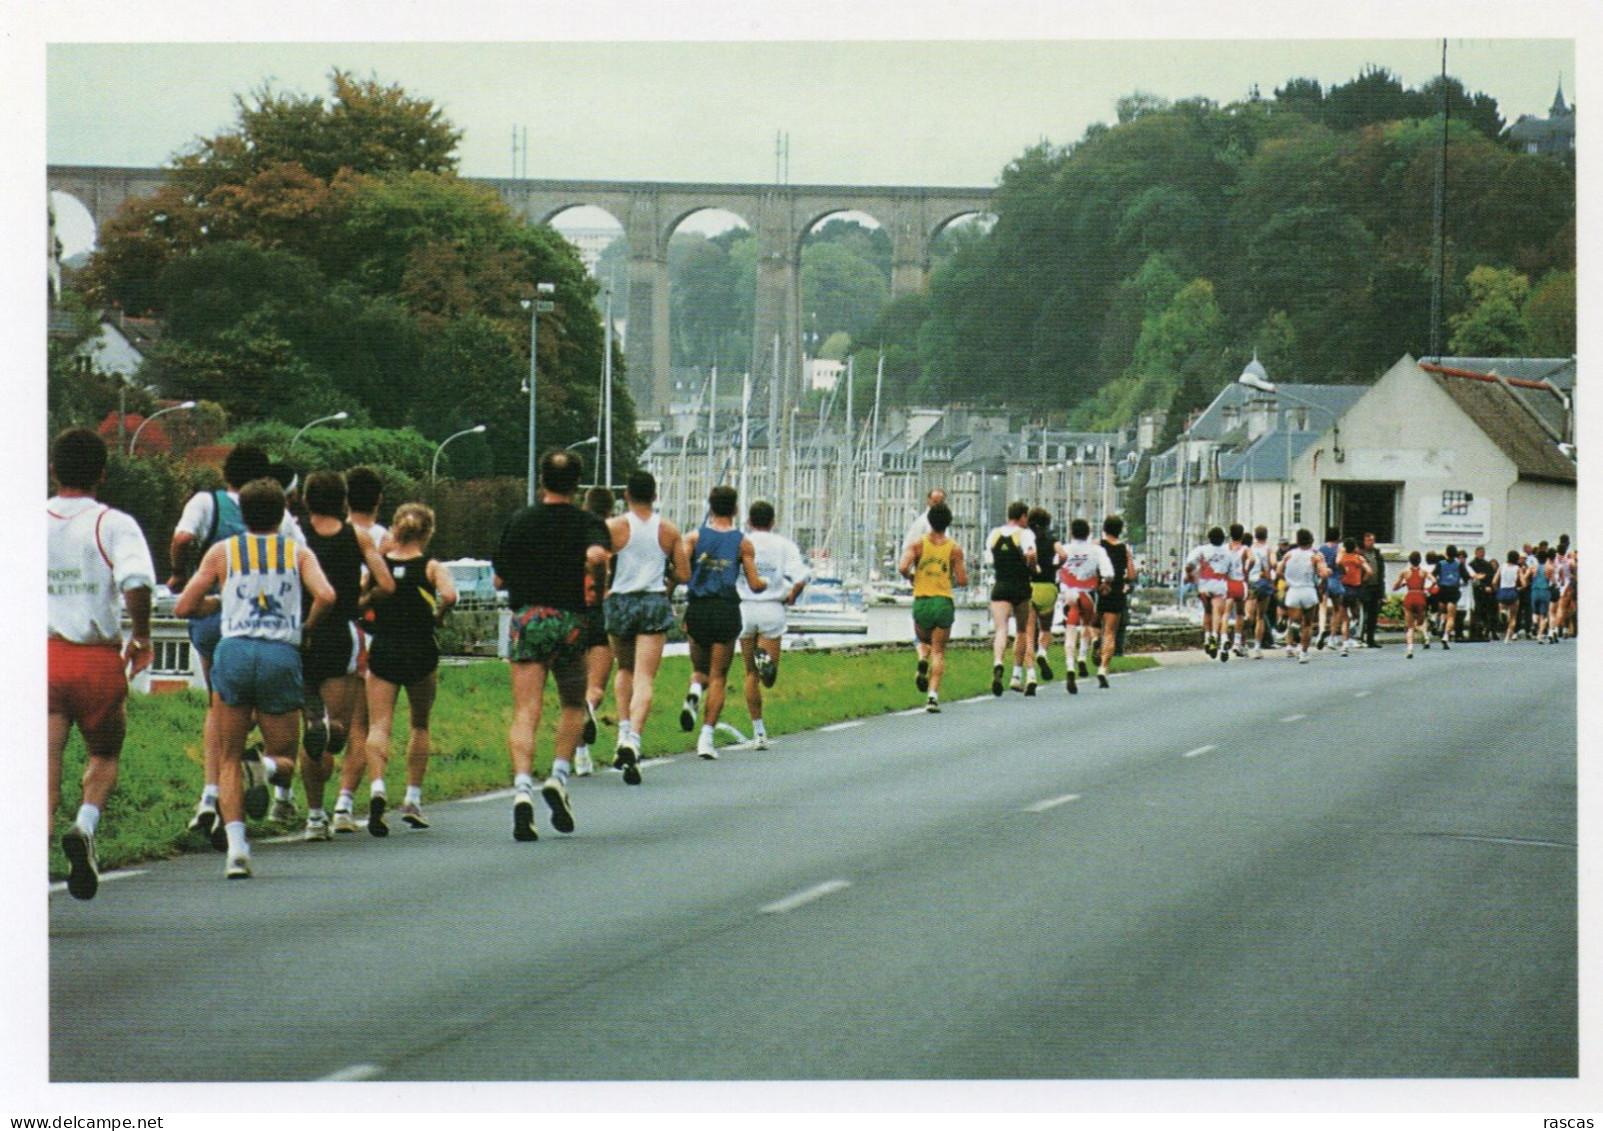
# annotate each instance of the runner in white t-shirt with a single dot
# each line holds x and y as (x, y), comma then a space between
(1302, 567)
(99, 561)
(1213, 565)
(1082, 567)
(762, 615)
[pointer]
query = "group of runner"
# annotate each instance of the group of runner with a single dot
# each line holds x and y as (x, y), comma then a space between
(310, 633)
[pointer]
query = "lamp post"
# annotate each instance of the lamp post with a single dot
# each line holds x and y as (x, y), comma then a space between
(541, 303)
(1254, 377)
(583, 444)
(435, 466)
(170, 408)
(320, 420)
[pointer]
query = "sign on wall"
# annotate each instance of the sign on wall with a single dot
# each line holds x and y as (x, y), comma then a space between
(1454, 516)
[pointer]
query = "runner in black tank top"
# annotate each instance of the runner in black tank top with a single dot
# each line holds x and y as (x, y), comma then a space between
(1111, 600)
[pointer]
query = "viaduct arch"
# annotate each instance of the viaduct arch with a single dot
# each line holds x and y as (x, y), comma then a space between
(781, 216)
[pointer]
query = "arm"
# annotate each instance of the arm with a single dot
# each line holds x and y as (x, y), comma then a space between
(378, 574)
(909, 561)
(959, 569)
(748, 563)
(194, 601)
(137, 654)
(619, 529)
(682, 550)
(180, 553)
(444, 589)
(316, 583)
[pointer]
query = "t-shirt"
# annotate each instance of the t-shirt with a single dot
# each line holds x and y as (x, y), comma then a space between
(1216, 563)
(96, 553)
(1084, 564)
(1352, 569)
(779, 562)
(541, 557)
(196, 519)
(1299, 568)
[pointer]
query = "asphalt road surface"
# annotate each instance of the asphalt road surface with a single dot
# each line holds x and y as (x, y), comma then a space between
(1360, 867)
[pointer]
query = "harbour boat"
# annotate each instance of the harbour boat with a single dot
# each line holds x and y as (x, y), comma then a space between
(826, 605)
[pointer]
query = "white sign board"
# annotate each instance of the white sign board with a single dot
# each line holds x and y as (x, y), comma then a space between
(1445, 518)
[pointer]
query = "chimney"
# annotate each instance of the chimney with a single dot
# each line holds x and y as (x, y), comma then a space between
(1259, 413)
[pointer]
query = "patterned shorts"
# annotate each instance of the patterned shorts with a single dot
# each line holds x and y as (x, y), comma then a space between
(545, 636)
(638, 614)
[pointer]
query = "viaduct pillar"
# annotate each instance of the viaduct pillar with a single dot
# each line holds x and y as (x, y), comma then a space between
(647, 346)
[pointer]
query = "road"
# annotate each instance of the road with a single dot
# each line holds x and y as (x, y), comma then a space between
(1361, 867)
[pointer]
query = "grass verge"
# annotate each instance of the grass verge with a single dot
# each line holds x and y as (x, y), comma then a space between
(160, 774)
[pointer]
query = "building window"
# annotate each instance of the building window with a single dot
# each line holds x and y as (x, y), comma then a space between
(171, 657)
(1455, 502)
(1296, 508)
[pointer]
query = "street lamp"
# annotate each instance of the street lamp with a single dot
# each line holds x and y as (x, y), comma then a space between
(152, 416)
(1254, 377)
(320, 420)
(541, 303)
(583, 444)
(435, 466)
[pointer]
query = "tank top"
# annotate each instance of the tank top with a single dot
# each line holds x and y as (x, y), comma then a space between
(1299, 567)
(262, 591)
(408, 613)
(716, 565)
(1045, 571)
(640, 565)
(340, 555)
(1119, 554)
(1007, 557)
(1539, 582)
(1417, 579)
(932, 576)
(1447, 573)
(1508, 577)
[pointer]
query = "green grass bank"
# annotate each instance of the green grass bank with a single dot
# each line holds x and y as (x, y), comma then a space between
(160, 776)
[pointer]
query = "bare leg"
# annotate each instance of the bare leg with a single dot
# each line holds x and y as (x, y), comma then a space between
(754, 683)
(721, 656)
(648, 658)
(420, 701)
(381, 696)
(528, 691)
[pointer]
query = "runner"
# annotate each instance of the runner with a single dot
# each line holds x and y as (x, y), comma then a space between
(762, 615)
(1302, 568)
(718, 553)
(1112, 601)
(1449, 588)
(364, 493)
(921, 525)
(208, 518)
(1332, 607)
(547, 552)
(933, 564)
(598, 650)
(1541, 583)
(256, 580)
(1085, 567)
(1261, 590)
(1419, 582)
(1236, 585)
(1563, 602)
(637, 610)
(1012, 550)
(99, 562)
(1511, 580)
(1353, 569)
(329, 651)
(403, 653)
(1214, 565)
(1043, 592)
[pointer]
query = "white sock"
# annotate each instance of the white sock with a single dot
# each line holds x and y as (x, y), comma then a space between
(270, 765)
(237, 844)
(695, 690)
(282, 792)
(209, 794)
(560, 769)
(523, 782)
(1018, 671)
(88, 818)
(758, 728)
(414, 795)
(581, 751)
(314, 814)
(625, 730)
(375, 788)
(706, 731)
(347, 801)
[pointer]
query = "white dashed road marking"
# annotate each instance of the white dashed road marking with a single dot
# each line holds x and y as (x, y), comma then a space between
(352, 1073)
(841, 726)
(802, 898)
(1360, 694)
(1199, 751)
(1293, 718)
(1051, 803)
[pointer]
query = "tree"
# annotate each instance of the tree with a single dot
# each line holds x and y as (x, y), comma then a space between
(1493, 324)
(1550, 316)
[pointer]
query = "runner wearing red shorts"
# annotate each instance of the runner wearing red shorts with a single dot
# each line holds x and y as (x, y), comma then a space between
(1084, 566)
(97, 555)
(1419, 582)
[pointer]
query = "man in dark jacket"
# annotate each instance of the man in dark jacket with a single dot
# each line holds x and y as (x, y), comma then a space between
(1374, 588)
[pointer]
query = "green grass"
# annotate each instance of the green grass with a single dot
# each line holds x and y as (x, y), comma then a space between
(161, 772)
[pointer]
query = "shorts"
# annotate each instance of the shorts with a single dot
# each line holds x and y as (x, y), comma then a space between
(329, 652)
(1414, 600)
(1112, 603)
(1540, 604)
(1507, 596)
(1350, 598)
(1235, 590)
(1448, 594)
(541, 635)
(1013, 593)
(712, 620)
(638, 614)
(402, 660)
(595, 629)
(1044, 596)
(1263, 589)
(931, 613)
(1079, 607)
(762, 618)
(1212, 587)
(265, 674)
(1301, 597)
(204, 633)
(88, 684)
(1334, 589)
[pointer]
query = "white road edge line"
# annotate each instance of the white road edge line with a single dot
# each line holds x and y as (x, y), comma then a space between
(1293, 718)
(802, 898)
(1051, 803)
(1201, 750)
(847, 725)
(1361, 694)
(352, 1073)
(105, 877)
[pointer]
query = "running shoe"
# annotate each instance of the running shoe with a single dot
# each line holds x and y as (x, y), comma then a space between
(1427, 644)
(1344, 649)
(627, 759)
(412, 814)
(219, 836)
(922, 679)
(1409, 655)
(767, 670)
(83, 869)
(1045, 666)
(258, 798)
(1017, 684)
(1320, 644)
(557, 798)
(1224, 655)
(345, 821)
(1291, 651)
(707, 748)
(205, 818)
(687, 713)
(1446, 647)
(1101, 679)
(317, 828)
(283, 810)
(1302, 657)
(523, 817)
(932, 705)
(589, 723)
(1211, 648)
(375, 815)
(583, 764)
(1240, 650)
(1257, 651)
(1029, 689)
(1084, 671)
(759, 742)
(1068, 682)
(996, 679)
(238, 868)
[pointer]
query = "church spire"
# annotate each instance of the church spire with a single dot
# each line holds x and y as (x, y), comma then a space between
(1559, 109)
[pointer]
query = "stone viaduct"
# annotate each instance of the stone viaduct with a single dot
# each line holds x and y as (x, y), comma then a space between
(779, 216)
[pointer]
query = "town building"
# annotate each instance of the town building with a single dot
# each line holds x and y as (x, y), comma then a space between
(1552, 136)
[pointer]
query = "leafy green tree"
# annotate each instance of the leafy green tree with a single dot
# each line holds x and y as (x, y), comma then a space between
(1550, 316)
(842, 288)
(1493, 324)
